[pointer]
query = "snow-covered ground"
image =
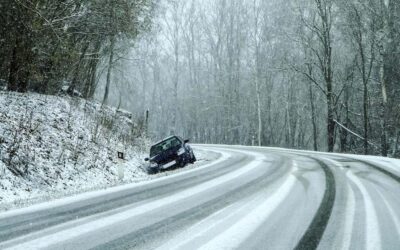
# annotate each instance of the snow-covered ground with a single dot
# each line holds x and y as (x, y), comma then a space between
(52, 146)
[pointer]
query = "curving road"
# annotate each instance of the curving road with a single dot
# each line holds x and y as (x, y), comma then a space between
(249, 198)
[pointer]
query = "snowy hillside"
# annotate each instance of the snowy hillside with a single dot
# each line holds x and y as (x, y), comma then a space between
(51, 145)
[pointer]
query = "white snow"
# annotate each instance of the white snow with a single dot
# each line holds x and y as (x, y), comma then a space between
(350, 209)
(241, 230)
(393, 215)
(373, 236)
(349, 221)
(229, 227)
(67, 146)
(393, 165)
(202, 163)
(211, 225)
(52, 146)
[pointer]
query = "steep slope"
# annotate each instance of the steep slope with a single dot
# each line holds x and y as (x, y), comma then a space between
(52, 145)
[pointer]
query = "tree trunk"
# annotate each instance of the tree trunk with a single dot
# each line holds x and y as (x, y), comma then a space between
(13, 75)
(91, 82)
(396, 143)
(383, 115)
(343, 132)
(259, 132)
(110, 66)
(331, 124)
(313, 118)
(72, 87)
(365, 109)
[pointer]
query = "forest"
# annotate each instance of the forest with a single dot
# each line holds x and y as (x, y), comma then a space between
(51, 46)
(322, 75)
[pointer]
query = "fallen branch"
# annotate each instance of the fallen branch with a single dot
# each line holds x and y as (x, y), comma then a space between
(354, 133)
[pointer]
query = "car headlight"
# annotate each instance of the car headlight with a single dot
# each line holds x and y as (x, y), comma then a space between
(153, 165)
(181, 151)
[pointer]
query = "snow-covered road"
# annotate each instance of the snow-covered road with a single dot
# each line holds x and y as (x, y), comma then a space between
(249, 198)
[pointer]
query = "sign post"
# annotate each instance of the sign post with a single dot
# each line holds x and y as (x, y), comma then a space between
(121, 160)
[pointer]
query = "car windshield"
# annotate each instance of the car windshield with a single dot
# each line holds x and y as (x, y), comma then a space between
(164, 145)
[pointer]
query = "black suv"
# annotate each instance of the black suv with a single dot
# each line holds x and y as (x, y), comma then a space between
(171, 152)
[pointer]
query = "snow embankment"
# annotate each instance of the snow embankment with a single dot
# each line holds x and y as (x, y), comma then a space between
(53, 146)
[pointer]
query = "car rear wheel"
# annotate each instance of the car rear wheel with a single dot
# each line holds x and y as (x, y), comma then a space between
(193, 159)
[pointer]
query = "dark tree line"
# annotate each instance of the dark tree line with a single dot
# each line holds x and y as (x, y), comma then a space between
(49, 45)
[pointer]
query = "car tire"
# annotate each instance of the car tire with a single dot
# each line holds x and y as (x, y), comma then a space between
(193, 159)
(153, 171)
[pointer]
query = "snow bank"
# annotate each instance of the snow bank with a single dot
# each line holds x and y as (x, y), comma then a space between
(52, 146)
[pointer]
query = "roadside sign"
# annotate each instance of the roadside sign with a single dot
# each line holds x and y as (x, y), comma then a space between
(121, 160)
(121, 155)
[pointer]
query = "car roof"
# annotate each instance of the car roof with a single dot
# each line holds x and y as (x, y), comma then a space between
(169, 137)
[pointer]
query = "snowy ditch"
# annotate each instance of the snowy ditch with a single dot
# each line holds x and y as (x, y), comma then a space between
(52, 147)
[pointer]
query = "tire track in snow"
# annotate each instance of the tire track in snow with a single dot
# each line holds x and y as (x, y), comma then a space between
(225, 218)
(316, 153)
(237, 233)
(349, 208)
(396, 219)
(185, 239)
(380, 169)
(373, 236)
(313, 235)
(139, 238)
(349, 220)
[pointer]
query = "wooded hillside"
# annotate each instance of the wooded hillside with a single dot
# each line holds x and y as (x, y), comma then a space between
(46, 45)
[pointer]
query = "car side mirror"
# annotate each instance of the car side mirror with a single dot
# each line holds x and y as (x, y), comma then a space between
(146, 159)
(186, 141)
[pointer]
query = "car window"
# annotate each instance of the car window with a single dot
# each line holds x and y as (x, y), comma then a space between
(164, 145)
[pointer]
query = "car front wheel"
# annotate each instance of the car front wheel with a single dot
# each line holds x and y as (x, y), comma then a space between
(153, 170)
